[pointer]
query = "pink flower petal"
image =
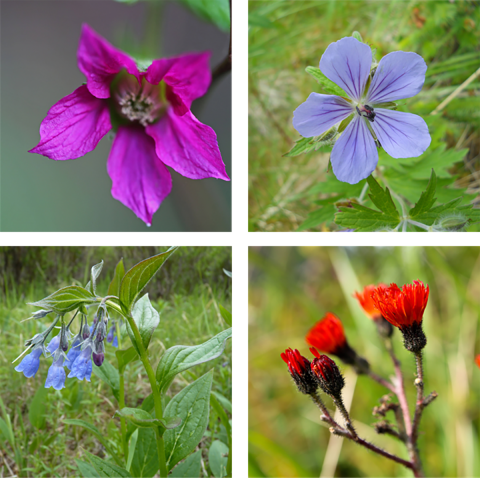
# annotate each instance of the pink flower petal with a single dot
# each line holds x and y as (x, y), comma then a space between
(188, 77)
(73, 126)
(99, 61)
(187, 146)
(140, 180)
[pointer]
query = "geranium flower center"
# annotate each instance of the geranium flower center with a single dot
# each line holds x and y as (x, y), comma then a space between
(143, 103)
(366, 111)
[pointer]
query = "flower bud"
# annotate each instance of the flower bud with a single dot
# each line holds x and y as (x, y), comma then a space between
(86, 330)
(300, 370)
(63, 338)
(98, 353)
(328, 376)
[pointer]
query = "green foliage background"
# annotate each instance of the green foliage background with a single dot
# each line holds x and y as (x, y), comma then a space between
(297, 193)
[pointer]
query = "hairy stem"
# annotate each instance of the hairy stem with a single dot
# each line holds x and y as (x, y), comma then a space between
(326, 414)
(348, 423)
(418, 414)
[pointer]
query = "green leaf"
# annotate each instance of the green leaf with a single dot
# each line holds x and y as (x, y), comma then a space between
(214, 11)
(147, 320)
(114, 287)
(136, 279)
(181, 357)
(363, 219)
(145, 458)
(124, 357)
(66, 299)
(132, 444)
(86, 470)
(227, 316)
(6, 431)
(315, 218)
(143, 419)
(105, 469)
(329, 86)
(307, 145)
(217, 458)
(88, 426)
(224, 401)
(188, 468)
(227, 273)
(427, 198)
(192, 405)
(36, 411)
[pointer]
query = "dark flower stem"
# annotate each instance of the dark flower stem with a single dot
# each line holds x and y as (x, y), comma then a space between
(381, 381)
(326, 414)
(348, 423)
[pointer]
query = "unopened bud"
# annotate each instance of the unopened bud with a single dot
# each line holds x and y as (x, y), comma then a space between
(98, 359)
(63, 338)
(328, 376)
(300, 370)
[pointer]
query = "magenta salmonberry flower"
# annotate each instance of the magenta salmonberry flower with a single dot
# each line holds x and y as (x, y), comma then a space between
(300, 371)
(150, 110)
(404, 309)
(371, 90)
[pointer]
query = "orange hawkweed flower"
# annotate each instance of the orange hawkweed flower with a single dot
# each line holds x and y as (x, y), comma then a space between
(404, 309)
(477, 360)
(328, 336)
(384, 328)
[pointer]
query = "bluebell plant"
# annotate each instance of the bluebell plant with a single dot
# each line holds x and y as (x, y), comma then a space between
(123, 312)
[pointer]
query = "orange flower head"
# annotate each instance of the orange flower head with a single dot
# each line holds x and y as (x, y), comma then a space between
(366, 301)
(327, 335)
(404, 309)
(477, 360)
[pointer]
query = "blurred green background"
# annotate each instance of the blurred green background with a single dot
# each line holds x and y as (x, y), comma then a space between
(287, 36)
(292, 288)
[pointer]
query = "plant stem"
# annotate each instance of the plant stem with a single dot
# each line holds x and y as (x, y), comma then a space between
(123, 425)
(381, 381)
(153, 384)
(418, 414)
(326, 414)
(348, 423)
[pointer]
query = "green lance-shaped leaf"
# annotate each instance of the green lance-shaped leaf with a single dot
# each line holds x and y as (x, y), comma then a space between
(145, 456)
(214, 11)
(124, 357)
(36, 411)
(181, 357)
(427, 198)
(114, 287)
(86, 470)
(135, 280)
(192, 405)
(143, 419)
(147, 320)
(66, 299)
(328, 85)
(105, 469)
(188, 468)
(227, 315)
(217, 458)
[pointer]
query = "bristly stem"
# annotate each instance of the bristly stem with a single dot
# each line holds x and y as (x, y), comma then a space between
(348, 422)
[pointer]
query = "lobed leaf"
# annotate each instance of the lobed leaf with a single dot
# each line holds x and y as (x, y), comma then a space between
(328, 85)
(66, 299)
(427, 199)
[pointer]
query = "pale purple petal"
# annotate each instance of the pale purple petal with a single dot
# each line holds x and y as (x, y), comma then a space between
(402, 135)
(73, 126)
(140, 180)
(187, 78)
(319, 113)
(399, 75)
(347, 63)
(354, 156)
(81, 367)
(30, 363)
(99, 61)
(188, 146)
(53, 345)
(56, 375)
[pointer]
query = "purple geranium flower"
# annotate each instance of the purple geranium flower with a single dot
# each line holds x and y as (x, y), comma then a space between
(157, 128)
(399, 75)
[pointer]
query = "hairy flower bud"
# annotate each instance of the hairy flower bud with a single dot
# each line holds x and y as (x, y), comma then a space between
(300, 370)
(328, 376)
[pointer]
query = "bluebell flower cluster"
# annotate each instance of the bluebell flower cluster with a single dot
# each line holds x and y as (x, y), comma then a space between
(86, 348)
